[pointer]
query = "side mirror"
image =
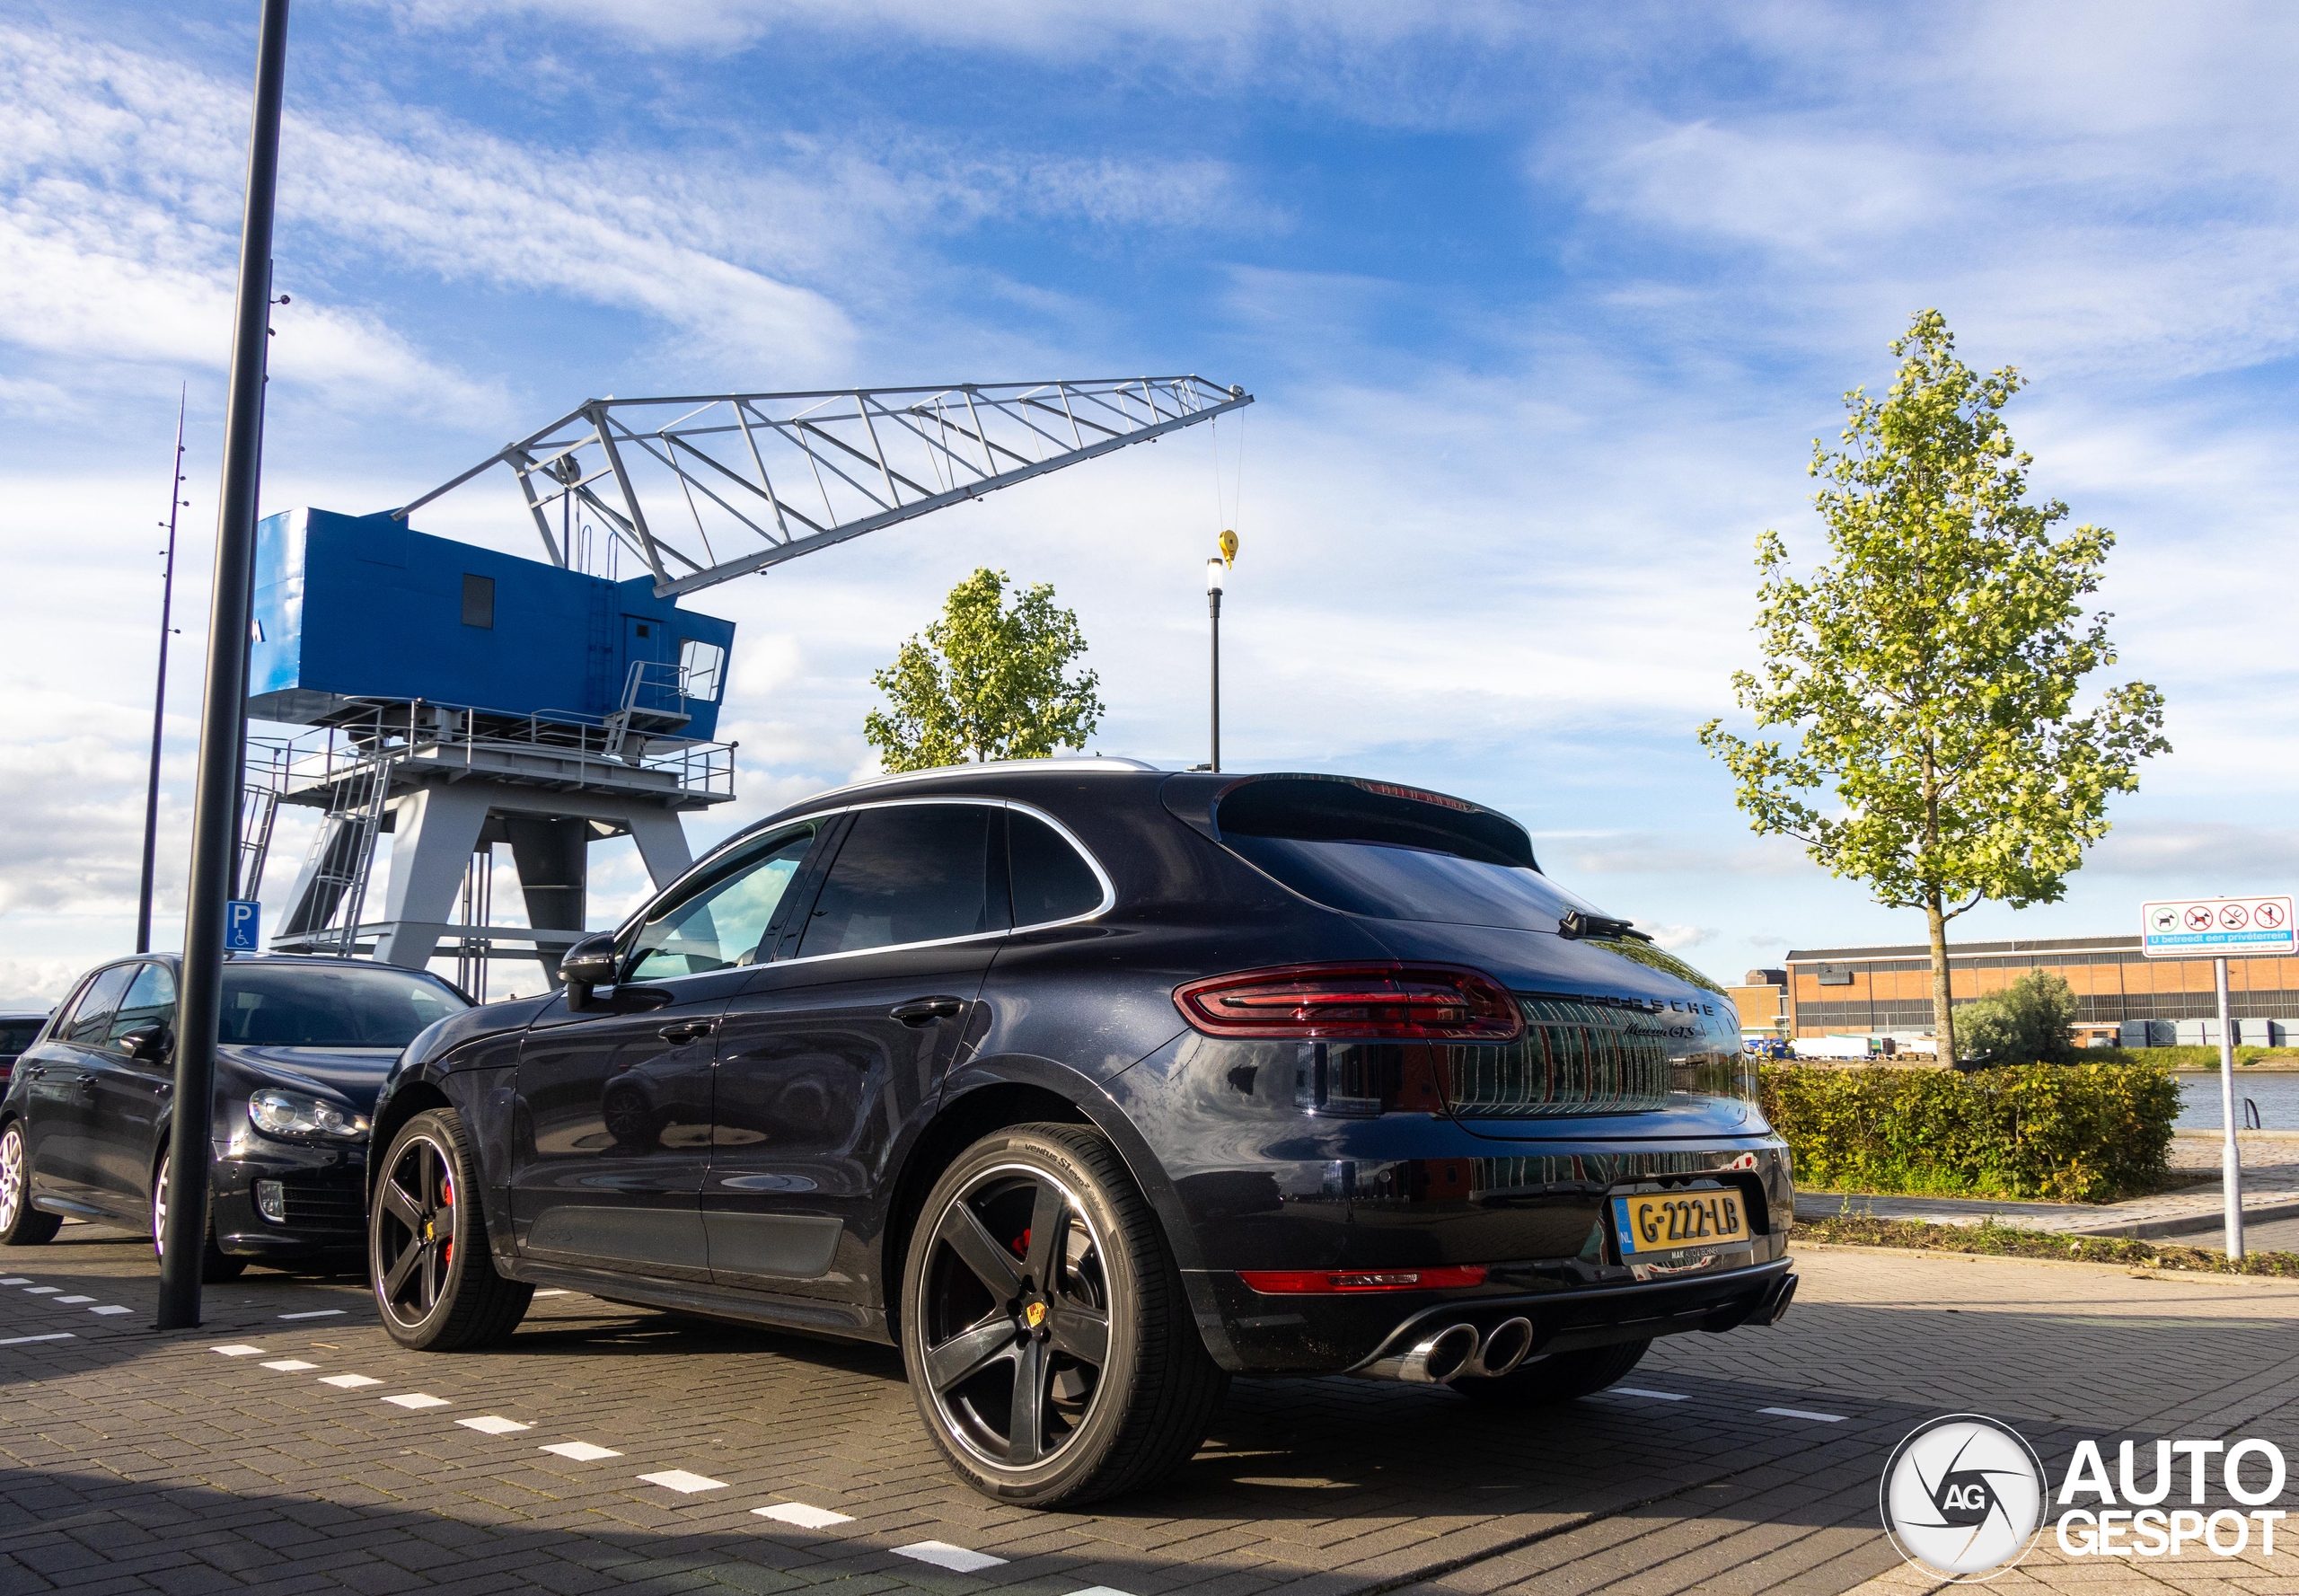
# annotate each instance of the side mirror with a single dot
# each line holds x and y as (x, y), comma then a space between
(147, 1041)
(589, 963)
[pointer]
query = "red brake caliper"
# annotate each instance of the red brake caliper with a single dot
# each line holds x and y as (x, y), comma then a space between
(447, 1200)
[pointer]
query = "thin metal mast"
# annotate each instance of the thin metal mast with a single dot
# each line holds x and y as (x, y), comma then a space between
(160, 694)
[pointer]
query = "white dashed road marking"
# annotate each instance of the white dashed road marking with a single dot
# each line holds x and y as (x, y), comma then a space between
(943, 1555)
(237, 1350)
(20, 1340)
(1800, 1413)
(805, 1517)
(493, 1425)
(554, 1293)
(17, 1279)
(1655, 1396)
(114, 1308)
(315, 1313)
(417, 1399)
(40, 1290)
(681, 1481)
(290, 1365)
(582, 1452)
(347, 1382)
(76, 1299)
(1101, 1590)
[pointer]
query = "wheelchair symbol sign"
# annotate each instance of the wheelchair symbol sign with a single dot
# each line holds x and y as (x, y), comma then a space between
(243, 926)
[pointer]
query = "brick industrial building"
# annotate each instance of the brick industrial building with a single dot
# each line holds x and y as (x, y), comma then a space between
(1840, 990)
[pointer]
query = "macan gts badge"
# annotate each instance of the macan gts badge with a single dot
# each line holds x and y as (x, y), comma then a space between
(1091, 1086)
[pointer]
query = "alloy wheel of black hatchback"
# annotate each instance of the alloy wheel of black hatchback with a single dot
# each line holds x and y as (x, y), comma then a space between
(1018, 1311)
(414, 1230)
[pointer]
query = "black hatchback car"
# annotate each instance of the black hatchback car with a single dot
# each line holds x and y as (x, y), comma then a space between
(1090, 1086)
(302, 1047)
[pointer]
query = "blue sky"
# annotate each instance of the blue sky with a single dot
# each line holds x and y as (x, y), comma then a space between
(1542, 307)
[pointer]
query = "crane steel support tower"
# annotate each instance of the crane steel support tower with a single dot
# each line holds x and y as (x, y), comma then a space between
(459, 697)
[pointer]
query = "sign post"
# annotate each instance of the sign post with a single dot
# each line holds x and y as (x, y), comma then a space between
(2218, 929)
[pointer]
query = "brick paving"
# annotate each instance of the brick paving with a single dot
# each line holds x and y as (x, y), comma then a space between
(136, 1462)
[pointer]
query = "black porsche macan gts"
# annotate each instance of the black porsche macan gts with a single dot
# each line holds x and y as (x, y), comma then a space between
(1090, 1086)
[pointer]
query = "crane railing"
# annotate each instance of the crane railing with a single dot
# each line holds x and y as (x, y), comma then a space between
(707, 488)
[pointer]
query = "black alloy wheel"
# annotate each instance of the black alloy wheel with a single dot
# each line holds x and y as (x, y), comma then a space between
(20, 1224)
(1017, 1316)
(427, 1251)
(1050, 1346)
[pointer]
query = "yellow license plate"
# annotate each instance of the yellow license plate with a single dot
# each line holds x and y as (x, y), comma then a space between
(1663, 1221)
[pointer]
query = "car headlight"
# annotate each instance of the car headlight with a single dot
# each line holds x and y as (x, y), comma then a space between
(279, 1113)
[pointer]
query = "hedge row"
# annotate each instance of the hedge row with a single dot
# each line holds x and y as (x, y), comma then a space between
(2066, 1133)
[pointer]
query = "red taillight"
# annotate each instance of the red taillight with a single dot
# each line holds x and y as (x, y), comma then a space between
(1386, 1002)
(1299, 1282)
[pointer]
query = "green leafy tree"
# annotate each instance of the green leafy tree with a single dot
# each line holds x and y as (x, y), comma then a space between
(2026, 1023)
(1929, 670)
(986, 681)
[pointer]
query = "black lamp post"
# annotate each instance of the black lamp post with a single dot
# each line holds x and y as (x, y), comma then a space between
(223, 714)
(1213, 570)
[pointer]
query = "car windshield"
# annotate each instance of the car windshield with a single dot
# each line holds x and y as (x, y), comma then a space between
(323, 1006)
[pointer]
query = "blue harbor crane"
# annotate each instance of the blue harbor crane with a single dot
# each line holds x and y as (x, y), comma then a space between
(457, 698)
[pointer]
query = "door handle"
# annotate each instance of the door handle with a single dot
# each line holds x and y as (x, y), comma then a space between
(925, 1011)
(687, 1030)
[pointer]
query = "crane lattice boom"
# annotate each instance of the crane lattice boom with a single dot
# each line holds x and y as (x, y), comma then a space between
(708, 487)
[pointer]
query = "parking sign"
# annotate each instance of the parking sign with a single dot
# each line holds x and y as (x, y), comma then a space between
(243, 926)
(2217, 928)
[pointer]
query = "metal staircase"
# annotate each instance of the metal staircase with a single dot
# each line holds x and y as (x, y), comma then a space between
(331, 892)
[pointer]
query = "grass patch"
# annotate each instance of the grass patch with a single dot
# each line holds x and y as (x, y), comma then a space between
(2007, 1241)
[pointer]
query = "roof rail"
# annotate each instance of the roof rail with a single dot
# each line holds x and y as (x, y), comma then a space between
(1106, 763)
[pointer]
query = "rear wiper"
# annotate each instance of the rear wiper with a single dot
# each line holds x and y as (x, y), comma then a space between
(1576, 925)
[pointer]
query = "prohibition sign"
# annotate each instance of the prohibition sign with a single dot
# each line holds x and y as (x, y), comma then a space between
(2270, 915)
(2199, 918)
(2234, 918)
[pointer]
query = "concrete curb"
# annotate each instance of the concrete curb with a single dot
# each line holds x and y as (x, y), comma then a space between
(2135, 1271)
(2191, 1224)
(2138, 1230)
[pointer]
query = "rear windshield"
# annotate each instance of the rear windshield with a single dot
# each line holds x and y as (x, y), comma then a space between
(16, 1035)
(311, 1006)
(1390, 882)
(1392, 852)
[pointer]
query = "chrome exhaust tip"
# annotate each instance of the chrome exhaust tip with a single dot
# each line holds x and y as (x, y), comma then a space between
(1435, 1360)
(1505, 1346)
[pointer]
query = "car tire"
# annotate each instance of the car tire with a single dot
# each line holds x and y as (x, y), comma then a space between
(20, 1224)
(428, 1262)
(1558, 1377)
(1033, 1255)
(215, 1265)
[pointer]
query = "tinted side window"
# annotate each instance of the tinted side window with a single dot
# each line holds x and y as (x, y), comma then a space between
(1051, 882)
(92, 1018)
(16, 1035)
(725, 921)
(151, 998)
(908, 873)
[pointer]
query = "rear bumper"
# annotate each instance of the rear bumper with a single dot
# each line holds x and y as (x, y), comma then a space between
(1340, 1334)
